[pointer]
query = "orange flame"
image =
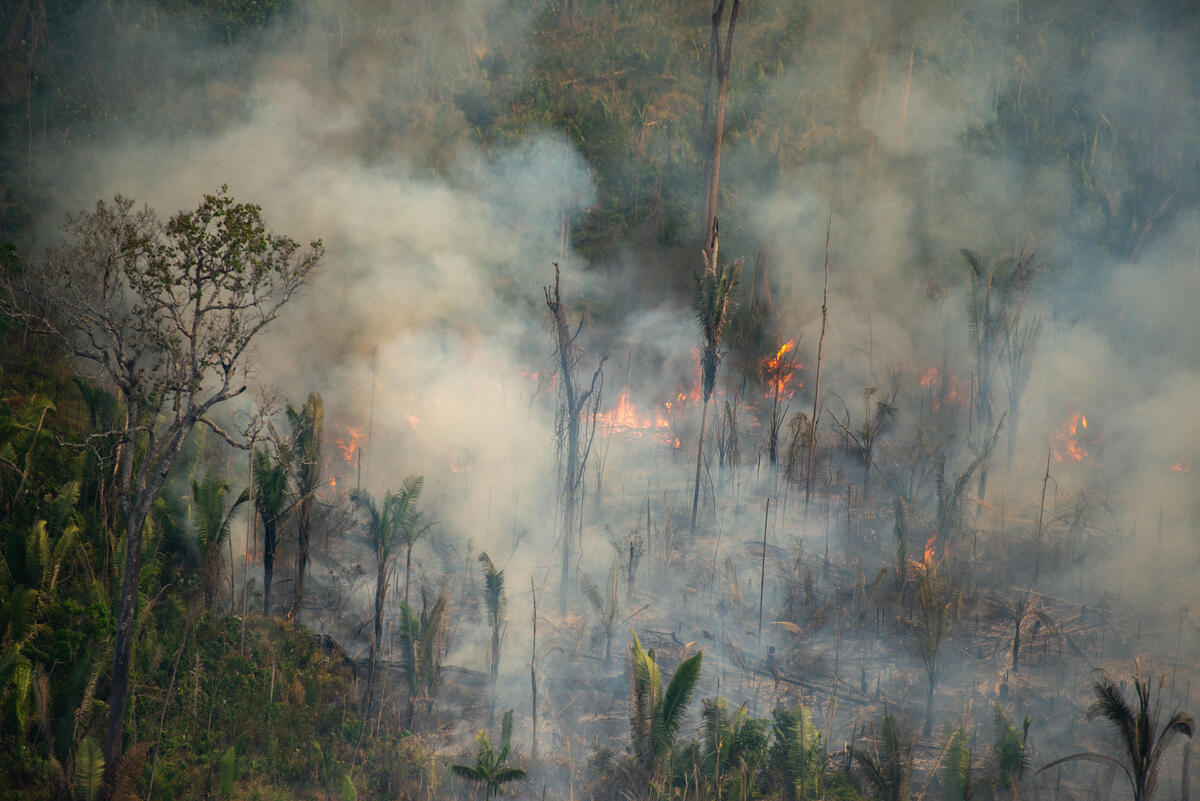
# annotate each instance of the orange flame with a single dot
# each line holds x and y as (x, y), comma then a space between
(1181, 467)
(355, 438)
(929, 549)
(779, 370)
(933, 381)
(413, 420)
(1069, 449)
(626, 417)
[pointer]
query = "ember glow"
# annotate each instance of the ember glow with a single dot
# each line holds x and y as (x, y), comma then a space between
(1181, 467)
(930, 550)
(355, 438)
(413, 421)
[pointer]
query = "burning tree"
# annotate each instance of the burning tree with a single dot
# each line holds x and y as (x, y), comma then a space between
(165, 314)
(573, 404)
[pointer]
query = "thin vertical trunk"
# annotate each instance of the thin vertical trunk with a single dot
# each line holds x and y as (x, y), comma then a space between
(533, 674)
(699, 462)
(269, 545)
(812, 429)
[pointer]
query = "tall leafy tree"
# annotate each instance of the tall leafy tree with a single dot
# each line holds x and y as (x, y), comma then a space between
(164, 314)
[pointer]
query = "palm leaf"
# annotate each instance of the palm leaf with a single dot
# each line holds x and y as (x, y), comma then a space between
(89, 769)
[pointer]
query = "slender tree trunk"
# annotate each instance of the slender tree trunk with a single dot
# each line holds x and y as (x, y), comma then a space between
(699, 462)
(123, 641)
(533, 675)
(575, 402)
(302, 545)
(812, 429)
(380, 594)
(407, 569)
(929, 705)
(720, 62)
(1016, 652)
(269, 546)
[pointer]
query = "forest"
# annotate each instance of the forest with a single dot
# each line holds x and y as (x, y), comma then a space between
(599, 400)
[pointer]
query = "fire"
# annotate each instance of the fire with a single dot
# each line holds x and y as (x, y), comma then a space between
(930, 550)
(349, 445)
(626, 417)
(413, 420)
(778, 371)
(1069, 449)
(1181, 467)
(933, 381)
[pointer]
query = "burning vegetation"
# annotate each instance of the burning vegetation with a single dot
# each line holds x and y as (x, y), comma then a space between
(925, 548)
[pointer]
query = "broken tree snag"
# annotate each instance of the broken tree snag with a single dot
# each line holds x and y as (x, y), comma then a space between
(575, 442)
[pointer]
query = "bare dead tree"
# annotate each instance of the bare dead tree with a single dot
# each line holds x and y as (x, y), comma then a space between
(572, 404)
(164, 315)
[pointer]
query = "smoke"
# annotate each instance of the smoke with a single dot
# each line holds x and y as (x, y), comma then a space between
(918, 138)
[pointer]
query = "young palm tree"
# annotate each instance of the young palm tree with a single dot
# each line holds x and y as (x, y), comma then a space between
(888, 765)
(212, 522)
(493, 596)
(714, 306)
(796, 760)
(656, 716)
(423, 642)
(1141, 738)
(381, 530)
(934, 621)
(491, 767)
(734, 746)
(411, 524)
(304, 467)
(1010, 756)
(271, 501)
(606, 604)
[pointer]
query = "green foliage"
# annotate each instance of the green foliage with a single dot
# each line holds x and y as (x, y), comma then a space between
(228, 770)
(656, 716)
(796, 760)
(957, 774)
(211, 521)
(491, 768)
(89, 770)
(734, 748)
(887, 766)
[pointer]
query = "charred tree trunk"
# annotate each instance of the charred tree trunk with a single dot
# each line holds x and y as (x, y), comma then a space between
(573, 405)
